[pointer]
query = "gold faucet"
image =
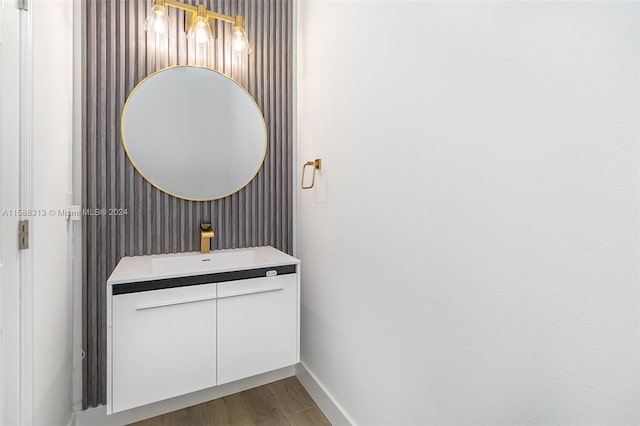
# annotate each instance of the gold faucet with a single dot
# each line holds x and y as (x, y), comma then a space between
(206, 234)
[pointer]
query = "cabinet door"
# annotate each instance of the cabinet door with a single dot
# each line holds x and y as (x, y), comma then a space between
(257, 326)
(164, 344)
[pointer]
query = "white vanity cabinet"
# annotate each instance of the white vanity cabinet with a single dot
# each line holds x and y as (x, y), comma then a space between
(257, 327)
(164, 344)
(172, 333)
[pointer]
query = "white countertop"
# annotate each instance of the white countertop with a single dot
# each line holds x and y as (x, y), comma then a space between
(161, 266)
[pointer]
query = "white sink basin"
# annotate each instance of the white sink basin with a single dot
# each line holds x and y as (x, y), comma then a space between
(188, 263)
(161, 266)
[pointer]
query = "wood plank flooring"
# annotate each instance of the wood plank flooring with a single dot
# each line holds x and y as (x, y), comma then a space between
(281, 403)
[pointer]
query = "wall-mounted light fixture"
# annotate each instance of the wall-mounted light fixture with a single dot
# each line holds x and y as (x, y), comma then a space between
(196, 23)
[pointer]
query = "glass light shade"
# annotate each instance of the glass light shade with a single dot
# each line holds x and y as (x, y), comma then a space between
(200, 31)
(157, 20)
(240, 41)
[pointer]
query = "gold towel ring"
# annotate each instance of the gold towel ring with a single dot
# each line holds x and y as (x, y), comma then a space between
(317, 164)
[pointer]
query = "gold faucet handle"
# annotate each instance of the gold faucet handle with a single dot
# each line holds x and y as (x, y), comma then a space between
(206, 231)
(206, 234)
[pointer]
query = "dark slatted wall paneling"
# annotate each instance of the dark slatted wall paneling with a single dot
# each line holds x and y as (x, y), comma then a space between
(117, 54)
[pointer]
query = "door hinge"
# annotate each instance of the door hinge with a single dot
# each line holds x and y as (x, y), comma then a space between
(23, 234)
(23, 4)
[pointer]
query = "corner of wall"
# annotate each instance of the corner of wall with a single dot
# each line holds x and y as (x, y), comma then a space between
(326, 402)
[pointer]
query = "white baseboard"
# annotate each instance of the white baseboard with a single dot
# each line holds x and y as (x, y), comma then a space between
(98, 416)
(326, 402)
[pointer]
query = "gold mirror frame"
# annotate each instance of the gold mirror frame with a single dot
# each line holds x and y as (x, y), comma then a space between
(154, 157)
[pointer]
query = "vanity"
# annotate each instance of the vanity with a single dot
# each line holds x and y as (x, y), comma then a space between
(185, 322)
(179, 323)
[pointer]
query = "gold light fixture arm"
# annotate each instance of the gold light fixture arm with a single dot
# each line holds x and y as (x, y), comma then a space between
(194, 10)
(197, 23)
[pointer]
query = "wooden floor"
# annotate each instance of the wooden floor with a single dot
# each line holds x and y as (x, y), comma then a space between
(284, 403)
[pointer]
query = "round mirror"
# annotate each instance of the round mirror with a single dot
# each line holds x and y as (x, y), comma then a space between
(194, 133)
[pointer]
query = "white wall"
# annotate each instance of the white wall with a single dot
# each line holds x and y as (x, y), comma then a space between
(470, 252)
(52, 136)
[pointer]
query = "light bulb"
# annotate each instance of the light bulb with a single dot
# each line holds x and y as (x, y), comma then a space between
(200, 31)
(157, 20)
(240, 42)
(202, 34)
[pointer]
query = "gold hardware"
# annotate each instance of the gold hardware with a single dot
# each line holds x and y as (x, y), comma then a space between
(238, 22)
(316, 164)
(193, 12)
(206, 234)
(135, 166)
(194, 9)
